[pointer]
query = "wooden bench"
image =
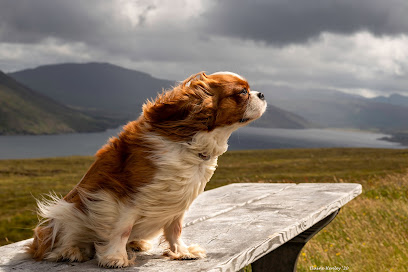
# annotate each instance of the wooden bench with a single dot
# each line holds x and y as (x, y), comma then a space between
(262, 224)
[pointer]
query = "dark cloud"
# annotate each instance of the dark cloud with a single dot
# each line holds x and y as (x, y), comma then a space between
(27, 21)
(175, 39)
(276, 22)
(296, 21)
(143, 15)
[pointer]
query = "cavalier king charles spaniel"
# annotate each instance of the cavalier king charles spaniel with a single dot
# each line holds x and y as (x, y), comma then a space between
(143, 181)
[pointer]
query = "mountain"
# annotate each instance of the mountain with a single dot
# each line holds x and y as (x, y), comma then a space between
(24, 111)
(100, 88)
(394, 99)
(105, 89)
(330, 108)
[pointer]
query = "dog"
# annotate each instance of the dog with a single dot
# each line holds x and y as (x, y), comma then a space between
(143, 181)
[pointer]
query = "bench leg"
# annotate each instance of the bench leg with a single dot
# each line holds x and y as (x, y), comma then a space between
(284, 258)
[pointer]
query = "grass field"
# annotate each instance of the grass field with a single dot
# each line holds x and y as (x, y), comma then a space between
(369, 234)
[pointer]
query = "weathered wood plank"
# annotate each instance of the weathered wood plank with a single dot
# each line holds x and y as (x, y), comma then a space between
(284, 258)
(237, 224)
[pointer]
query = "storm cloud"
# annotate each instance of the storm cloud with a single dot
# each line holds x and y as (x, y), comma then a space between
(296, 21)
(356, 46)
(28, 21)
(272, 21)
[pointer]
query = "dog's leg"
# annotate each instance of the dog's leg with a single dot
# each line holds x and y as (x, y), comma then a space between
(178, 250)
(113, 253)
(140, 245)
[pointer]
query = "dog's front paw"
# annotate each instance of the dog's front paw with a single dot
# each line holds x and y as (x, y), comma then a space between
(192, 252)
(115, 261)
(141, 245)
(73, 254)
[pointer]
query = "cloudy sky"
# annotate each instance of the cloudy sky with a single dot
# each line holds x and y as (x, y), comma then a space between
(355, 46)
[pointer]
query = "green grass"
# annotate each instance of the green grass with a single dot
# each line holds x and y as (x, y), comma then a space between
(369, 234)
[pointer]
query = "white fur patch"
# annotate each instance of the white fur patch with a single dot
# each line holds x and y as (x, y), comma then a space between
(181, 177)
(256, 107)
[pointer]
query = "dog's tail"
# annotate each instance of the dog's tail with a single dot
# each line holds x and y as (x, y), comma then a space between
(41, 244)
(45, 234)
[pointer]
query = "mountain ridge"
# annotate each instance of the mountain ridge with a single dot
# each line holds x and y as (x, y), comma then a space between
(335, 109)
(24, 111)
(91, 86)
(77, 85)
(394, 99)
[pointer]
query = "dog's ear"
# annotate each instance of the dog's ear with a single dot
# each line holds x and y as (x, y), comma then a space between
(210, 114)
(205, 110)
(194, 80)
(188, 108)
(188, 98)
(168, 106)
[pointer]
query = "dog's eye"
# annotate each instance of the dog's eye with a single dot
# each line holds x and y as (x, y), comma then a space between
(244, 91)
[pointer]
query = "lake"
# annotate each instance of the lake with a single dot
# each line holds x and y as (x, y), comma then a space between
(42, 146)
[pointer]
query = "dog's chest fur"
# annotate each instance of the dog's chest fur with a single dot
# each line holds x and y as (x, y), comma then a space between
(183, 170)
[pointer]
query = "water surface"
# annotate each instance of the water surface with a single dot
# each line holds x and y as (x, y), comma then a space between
(42, 146)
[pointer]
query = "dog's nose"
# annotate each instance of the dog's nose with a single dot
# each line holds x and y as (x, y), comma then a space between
(261, 96)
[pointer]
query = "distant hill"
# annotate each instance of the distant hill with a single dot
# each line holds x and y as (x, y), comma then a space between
(330, 108)
(24, 111)
(105, 89)
(394, 99)
(100, 88)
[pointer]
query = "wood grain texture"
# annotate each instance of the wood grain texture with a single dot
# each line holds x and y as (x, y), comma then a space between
(237, 224)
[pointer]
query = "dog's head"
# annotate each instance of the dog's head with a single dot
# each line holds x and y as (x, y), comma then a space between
(203, 103)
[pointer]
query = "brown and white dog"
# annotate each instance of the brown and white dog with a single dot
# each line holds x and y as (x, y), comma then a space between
(143, 181)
